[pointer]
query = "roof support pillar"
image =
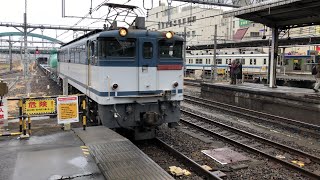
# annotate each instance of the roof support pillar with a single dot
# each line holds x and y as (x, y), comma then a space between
(274, 55)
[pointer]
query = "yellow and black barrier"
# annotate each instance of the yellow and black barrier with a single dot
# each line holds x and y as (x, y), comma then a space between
(25, 122)
(84, 117)
(10, 134)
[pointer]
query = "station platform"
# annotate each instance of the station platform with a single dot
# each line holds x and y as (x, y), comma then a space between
(97, 153)
(294, 103)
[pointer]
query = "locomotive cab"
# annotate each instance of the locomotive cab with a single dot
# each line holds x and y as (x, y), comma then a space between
(132, 77)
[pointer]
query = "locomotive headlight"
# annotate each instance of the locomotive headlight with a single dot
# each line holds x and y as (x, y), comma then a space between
(169, 34)
(123, 32)
(114, 86)
(175, 84)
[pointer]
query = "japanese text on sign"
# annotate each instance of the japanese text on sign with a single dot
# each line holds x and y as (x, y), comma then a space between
(3, 113)
(40, 106)
(67, 109)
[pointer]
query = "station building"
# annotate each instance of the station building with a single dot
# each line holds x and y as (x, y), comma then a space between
(198, 22)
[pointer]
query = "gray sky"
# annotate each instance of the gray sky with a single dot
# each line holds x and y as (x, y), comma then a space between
(49, 12)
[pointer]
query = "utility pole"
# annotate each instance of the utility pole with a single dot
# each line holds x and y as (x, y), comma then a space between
(26, 60)
(10, 53)
(184, 50)
(214, 66)
(169, 11)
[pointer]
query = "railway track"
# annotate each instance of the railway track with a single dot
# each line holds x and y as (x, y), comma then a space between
(9, 72)
(167, 152)
(280, 153)
(305, 128)
(192, 83)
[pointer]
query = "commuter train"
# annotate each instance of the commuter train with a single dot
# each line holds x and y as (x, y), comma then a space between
(133, 78)
(252, 64)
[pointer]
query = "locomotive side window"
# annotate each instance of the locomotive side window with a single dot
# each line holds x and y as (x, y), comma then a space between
(147, 50)
(170, 49)
(116, 48)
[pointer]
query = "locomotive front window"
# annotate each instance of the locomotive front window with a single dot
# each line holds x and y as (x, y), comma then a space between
(116, 48)
(170, 49)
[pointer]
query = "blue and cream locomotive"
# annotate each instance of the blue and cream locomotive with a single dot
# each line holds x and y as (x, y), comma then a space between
(133, 78)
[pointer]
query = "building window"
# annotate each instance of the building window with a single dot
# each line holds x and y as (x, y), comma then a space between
(159, 27)
(157, 15)
(194, 18)
(243, 61)
(183, 20)
(163, 25)
(198, 61)
(193, 33)
(175, 22)
(250, 61)
(218, 61)
(226, 61)
(188, 34)
(234, 24)
(255, 61)
(190, 61)
(264, 61)
(254, 34)
(189, 19)
(208, 61)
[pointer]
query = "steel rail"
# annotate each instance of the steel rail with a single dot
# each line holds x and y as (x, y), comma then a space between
(258, 138)
(194, 165)
(248, 113)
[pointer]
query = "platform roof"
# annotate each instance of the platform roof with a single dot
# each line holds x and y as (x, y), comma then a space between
(283, 14)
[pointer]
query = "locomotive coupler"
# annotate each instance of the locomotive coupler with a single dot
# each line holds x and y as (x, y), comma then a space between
(150, 118)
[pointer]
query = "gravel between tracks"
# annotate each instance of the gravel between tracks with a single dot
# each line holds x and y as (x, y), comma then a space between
(164, 159)
(257, 167)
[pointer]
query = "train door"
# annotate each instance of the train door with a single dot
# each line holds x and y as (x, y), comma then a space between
(91, 59)
(147, 66)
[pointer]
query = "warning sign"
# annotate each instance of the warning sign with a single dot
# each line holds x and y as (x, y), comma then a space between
(4, 113)
(40, 106)
(67, 110)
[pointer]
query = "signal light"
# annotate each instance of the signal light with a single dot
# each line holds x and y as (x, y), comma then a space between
(123, 32)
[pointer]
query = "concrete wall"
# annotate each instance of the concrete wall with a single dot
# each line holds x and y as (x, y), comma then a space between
(289, 106)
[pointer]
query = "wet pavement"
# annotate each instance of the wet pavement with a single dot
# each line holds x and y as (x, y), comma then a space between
(55, 156)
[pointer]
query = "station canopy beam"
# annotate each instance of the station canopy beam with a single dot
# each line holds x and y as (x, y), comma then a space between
(57, 27)
(283, 14)
(260, 43)
(225, 3)
(279, 15)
